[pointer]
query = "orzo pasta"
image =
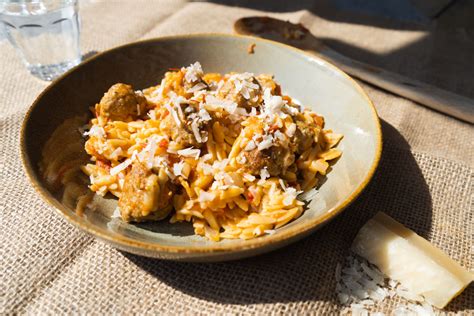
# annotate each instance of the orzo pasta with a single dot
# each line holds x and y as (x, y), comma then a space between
(229, 153)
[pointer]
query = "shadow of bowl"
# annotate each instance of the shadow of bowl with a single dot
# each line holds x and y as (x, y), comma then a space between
(305, 270)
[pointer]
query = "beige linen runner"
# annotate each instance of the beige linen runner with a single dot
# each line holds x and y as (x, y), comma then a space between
(424, 181)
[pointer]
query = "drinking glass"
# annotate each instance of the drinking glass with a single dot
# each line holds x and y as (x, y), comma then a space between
(45, 33)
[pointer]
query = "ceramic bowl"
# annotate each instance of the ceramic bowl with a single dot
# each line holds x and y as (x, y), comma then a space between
(312, 81)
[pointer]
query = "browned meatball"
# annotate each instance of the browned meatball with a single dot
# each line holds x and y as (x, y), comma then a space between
(122, 103)
(184, 134)
(142, 196)
(277, 159)
(228, 92)
(304, 136)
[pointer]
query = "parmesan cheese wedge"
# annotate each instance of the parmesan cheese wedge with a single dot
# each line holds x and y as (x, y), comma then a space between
(408, 258)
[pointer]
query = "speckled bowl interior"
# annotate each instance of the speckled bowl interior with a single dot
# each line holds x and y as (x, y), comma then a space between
(312, 81)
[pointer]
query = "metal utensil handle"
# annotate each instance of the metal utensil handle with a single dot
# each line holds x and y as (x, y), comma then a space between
(435, 98)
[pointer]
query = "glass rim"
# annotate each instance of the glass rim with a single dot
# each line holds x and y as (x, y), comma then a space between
(20, 7)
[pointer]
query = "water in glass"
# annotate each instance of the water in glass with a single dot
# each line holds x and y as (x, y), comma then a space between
(45, 33)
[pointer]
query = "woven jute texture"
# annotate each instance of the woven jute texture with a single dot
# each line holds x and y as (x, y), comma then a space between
(49, 267)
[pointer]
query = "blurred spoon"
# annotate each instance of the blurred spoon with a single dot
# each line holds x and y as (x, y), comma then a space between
(298, 36)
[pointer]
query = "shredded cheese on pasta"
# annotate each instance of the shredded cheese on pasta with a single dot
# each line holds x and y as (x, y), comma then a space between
(228, 153)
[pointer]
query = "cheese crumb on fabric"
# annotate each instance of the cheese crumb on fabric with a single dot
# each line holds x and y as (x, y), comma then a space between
(412, 260)
(359, 286)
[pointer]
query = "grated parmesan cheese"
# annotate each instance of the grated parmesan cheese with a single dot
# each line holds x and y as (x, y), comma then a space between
(169, 173)
(151, 149)
(206, 168)
(120, 167)
(241, 159)
(360, 285)
(290, 131)
(197, 132)
(215, 103)
(116, 213)
(116, 153)
(152, 114)
(204, 115)
(253, 111)
(264, 174)
(282, 184)
(220, 165)
(267, 142)
(173, 114)
(196, 87)
(96, 131)
(249, 177)
(190, 152)
(250, 145)
(290, 196)
(243, 84)
(178, 168)
(160, 161)
(139, 111)
(279, 135)
(272, 104)
(206, 157)
(206, 196)
(193, 72)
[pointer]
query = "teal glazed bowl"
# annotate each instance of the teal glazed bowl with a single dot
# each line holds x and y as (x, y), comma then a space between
(313, 81)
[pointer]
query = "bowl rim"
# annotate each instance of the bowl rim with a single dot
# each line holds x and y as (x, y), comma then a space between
(125, 242)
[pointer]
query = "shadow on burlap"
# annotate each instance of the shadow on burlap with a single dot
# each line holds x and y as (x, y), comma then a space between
(304, 271)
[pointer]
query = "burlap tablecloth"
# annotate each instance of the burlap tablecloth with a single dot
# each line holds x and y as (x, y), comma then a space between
(424, 181)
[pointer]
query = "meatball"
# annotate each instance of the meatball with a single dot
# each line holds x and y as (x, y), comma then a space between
(184, 134)
(307, 131)
(229, 92)
(304, 136)
(143, 198)
(122, 103)
(277, 159)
